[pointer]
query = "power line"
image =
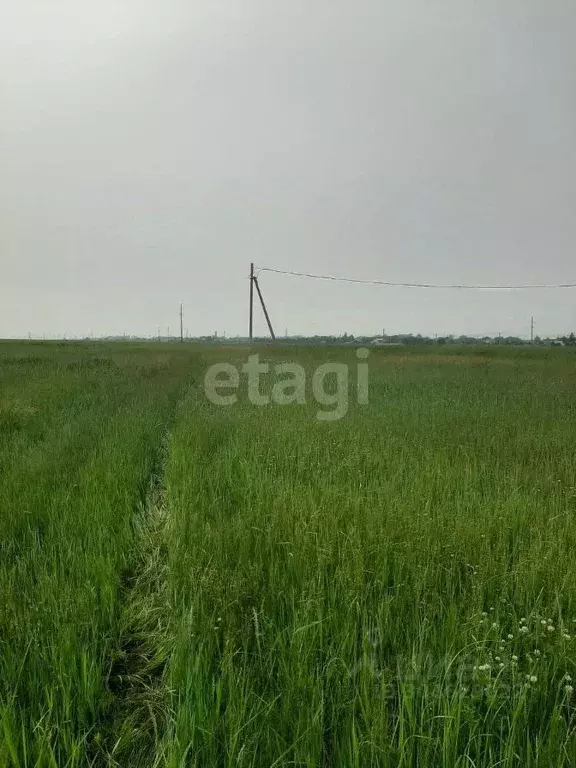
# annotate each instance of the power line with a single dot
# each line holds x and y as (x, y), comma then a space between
(415, 285)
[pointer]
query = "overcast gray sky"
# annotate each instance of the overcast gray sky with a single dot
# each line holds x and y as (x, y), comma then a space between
(150, 149)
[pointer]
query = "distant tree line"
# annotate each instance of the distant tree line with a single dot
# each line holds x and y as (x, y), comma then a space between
(409, 339)
(405, 339)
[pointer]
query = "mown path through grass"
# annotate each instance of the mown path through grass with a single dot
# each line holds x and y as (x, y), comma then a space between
(140, 702)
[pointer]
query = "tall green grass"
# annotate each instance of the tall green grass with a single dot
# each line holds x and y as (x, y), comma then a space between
(183, 584)
(395, 588)
(79, 439)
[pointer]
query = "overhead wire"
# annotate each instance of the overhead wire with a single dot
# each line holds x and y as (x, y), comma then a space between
(459, 286)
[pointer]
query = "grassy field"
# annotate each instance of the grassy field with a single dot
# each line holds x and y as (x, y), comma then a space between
(187, 584)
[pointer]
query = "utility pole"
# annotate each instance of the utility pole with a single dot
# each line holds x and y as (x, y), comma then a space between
(254, 282)
(531, 330)
(251, 323)
(181, 324)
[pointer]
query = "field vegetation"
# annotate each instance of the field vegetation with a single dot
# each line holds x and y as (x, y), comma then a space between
(186, 584)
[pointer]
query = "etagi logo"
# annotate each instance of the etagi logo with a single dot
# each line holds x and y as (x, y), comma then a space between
(330, 384)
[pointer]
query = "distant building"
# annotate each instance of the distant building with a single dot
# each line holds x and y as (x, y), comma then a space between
(381, 342)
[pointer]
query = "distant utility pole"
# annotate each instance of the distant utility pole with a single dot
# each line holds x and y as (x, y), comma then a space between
(531, 330)
(181, 323)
